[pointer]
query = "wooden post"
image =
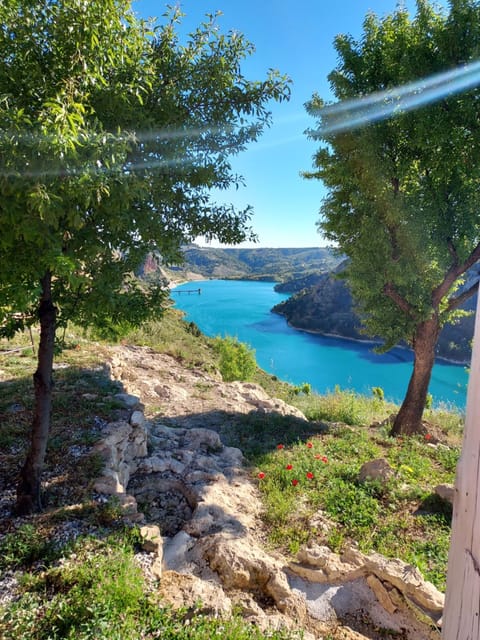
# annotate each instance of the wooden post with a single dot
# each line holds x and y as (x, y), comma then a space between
(461, 616)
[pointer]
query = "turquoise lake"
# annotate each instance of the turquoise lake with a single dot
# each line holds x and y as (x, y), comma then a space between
(242, 309)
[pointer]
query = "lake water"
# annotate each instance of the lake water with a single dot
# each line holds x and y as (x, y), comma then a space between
(242, 309)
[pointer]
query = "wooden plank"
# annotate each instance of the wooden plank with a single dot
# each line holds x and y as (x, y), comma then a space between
(461, 617)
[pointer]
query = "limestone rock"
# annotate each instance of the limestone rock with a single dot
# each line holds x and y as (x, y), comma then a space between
(446, 492)
(137, 419)
(381, 593)
(175, 554)
(406, 578)
(120, 449)
(378, 469)
(194, 487)
(320, 564)
(152, 539)
(240, 564)
(186, 590)
(129, 400)
(205, 439)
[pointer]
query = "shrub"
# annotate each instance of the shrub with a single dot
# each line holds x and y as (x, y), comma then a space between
(236, 359)
(22, 547)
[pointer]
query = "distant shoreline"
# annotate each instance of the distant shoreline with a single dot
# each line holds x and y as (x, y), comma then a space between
(460, 363)
(198, 278)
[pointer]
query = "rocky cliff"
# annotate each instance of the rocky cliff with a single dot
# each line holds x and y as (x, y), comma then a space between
(325, 306)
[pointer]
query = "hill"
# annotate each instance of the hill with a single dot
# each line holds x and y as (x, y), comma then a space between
(325, 306)
(255, 264)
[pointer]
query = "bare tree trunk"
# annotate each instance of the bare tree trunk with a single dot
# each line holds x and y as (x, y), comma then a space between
(28, 488)
(461, 616)
(409, 418)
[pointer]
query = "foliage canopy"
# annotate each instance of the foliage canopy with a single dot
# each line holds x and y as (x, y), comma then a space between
(113, 132)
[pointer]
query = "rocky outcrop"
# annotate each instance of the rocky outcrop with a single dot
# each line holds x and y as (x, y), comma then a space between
(446, 492)
(326, 307)
(378, 469)
(202, 527)
(391, 593)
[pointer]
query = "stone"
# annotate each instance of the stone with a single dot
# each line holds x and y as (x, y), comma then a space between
(120, 450)
(185, 590)
(381, 593)
(204, 439)
(378, 469)
(406, 578)
(213, 552)
(128, 400)
(320, 564)
(151, 538)
(137, 419)
(446, 492)
(241, 564)
(175, 552)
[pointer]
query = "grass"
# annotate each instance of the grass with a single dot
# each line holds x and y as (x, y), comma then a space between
(93, 588)
(98, 592)
(398, 518)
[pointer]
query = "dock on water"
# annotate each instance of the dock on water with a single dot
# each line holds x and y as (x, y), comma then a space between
(199, 291)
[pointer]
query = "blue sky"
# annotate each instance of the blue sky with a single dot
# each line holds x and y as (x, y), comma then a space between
(295, 37)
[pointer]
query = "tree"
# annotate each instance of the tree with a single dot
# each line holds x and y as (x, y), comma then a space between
(402, 183)
(112, 134)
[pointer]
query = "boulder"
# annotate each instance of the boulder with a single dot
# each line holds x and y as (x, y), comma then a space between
(378, 469)
(446, 492)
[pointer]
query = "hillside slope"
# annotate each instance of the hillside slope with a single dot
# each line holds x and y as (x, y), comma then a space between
(256, 264)
(326, 306)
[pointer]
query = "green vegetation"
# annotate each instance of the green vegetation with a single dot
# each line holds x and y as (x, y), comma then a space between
(92, 588)
(236, 359)
(98, 592)
(398, 518)
(255, 264)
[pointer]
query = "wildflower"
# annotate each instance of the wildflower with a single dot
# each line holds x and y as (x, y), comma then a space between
(280, 446)
(309, 475)
(324, 459)
(261, 475)
(309, 445)
(294, 482)
(289, 467)
(317, 456)
(428, 436)
(407, 469)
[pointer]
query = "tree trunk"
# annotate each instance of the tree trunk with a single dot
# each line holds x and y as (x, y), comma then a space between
(409, 418)
(28, 488)
(461, 619)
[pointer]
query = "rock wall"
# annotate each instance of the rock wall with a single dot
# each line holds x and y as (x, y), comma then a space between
(201, 517)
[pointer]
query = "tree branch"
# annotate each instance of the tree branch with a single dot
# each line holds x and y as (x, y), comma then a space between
(390, 291)
(452, 251)
(454, 303)
(455, 271)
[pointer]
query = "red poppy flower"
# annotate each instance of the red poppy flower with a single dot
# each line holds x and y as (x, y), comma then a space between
(324, 459)
(294, 482)
(279, 446)
(309, 445)
(309, 475)
(317, 456)
(289, 467)
(428, 436)
(261, 475)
